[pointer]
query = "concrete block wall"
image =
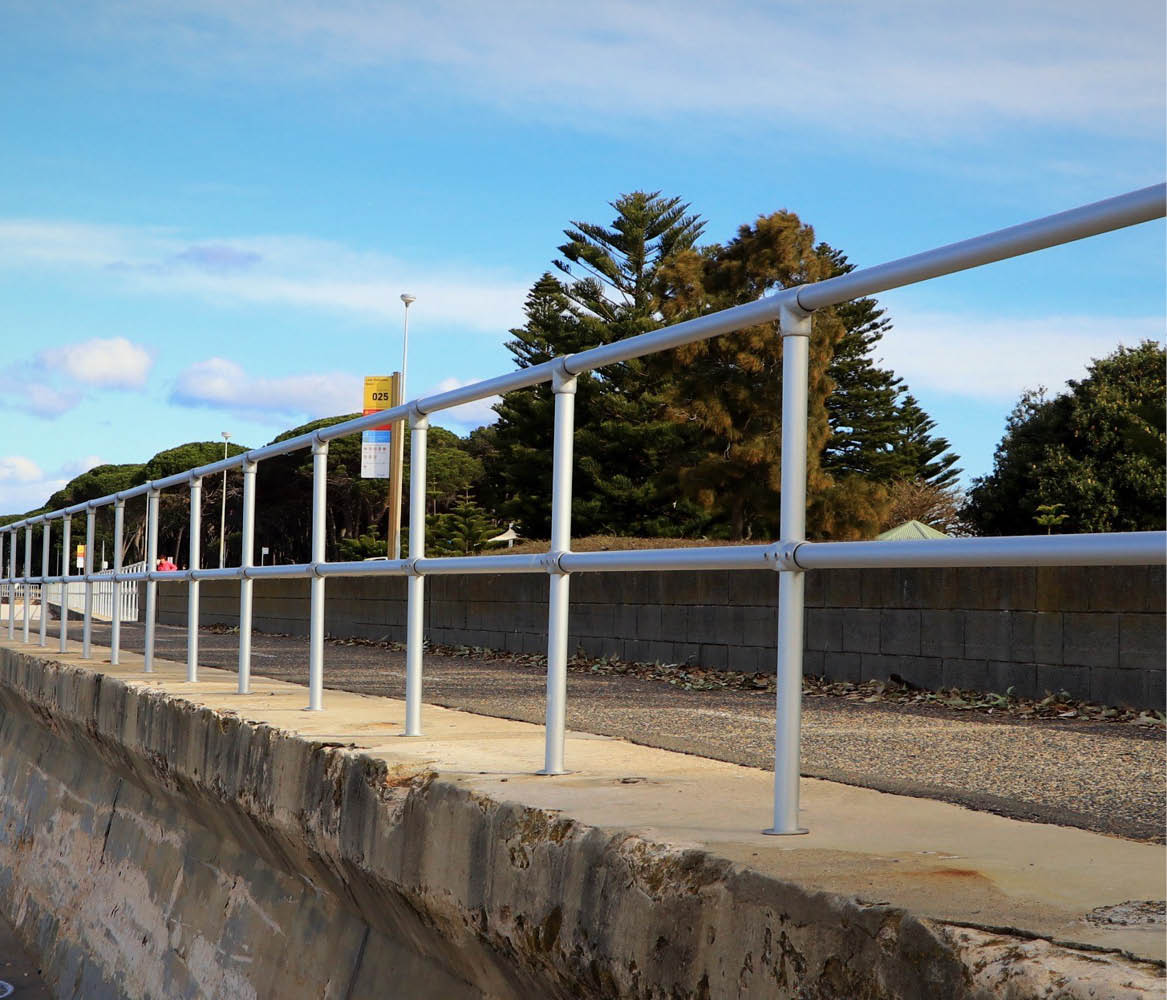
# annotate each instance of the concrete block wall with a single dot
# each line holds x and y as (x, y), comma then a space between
(1096, 632)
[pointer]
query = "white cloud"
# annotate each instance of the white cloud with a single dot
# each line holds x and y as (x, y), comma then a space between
(56, 380)
(42, 399)
(888, 67)
(219, 383)
(468, 415)
(116, 363)
(222, 384)
(25, 486)
(993, 358)
(18, 469)
(293, 271)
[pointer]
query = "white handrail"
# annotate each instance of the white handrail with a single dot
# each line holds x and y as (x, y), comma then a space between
(95, 594)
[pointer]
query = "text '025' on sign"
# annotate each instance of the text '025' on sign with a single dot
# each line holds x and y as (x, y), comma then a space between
(381, 393)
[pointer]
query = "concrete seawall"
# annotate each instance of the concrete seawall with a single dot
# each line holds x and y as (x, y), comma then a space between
(153, 847)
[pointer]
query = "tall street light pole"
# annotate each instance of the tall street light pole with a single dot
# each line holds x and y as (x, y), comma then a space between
(408, 300)
(223, 510)
(398, 472)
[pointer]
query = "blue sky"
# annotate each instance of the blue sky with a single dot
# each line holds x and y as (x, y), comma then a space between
(208, 210)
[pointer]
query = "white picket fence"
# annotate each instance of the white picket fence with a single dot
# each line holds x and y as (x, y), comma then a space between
(105, 592)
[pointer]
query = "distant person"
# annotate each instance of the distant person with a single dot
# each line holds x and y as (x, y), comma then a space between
(167, 565)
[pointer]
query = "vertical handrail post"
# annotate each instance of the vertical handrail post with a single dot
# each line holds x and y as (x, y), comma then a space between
(194, 562)
(27, 587)
(87, 621)
(153, 498)
(66, 541)
(415, 609)
(246, 560)
(316, 610)
(46, 534)
(12, 584)
(796, 328)
(563, 387)
(115, 621)
(6, 587)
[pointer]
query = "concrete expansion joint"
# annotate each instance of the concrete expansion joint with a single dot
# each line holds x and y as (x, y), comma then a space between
(563, 380)
(551, 562)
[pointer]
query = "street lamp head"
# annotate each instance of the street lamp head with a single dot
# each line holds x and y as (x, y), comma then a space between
(226, 435)
(408, 299)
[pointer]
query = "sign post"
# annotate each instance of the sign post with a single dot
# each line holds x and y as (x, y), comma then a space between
(383, 451)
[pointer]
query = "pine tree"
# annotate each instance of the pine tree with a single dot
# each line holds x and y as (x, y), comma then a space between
(923, 456)
(608, 291)
(462, 532)
(730, 387)
(862, 408)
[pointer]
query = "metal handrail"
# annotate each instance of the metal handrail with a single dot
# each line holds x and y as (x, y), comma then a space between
(791, 556)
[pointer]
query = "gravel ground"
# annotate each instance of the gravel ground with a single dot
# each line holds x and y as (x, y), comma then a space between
(1107, 777)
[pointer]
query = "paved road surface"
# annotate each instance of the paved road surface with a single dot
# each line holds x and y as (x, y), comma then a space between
(1097, 776)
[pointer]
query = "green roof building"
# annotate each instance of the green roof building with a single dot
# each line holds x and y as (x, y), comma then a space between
(909, 531)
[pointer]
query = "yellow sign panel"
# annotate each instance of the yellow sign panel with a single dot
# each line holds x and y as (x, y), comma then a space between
(380, 392)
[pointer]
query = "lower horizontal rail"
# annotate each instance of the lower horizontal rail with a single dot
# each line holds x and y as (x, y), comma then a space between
(639, 560)
(1125, 548)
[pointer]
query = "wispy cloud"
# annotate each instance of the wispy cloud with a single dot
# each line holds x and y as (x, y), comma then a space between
(24, 485)
(58, 379)
(899, 68)
(222, 384)
(218, 383)
(290, 271)
(995, 358)
(467, 416)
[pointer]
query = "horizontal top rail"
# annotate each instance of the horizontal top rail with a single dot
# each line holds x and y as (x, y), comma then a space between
(1129, 209)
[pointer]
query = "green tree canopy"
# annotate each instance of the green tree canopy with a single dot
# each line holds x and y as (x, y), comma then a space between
(1094, 452)
(609, 290)
(687, 442)
(730, 386)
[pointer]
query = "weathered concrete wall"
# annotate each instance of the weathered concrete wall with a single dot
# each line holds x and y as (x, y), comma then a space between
(1098, 633)
(149, 848)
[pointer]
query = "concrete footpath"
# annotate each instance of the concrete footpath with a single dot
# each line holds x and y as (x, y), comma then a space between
(1025, 904)
(1105, 777)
